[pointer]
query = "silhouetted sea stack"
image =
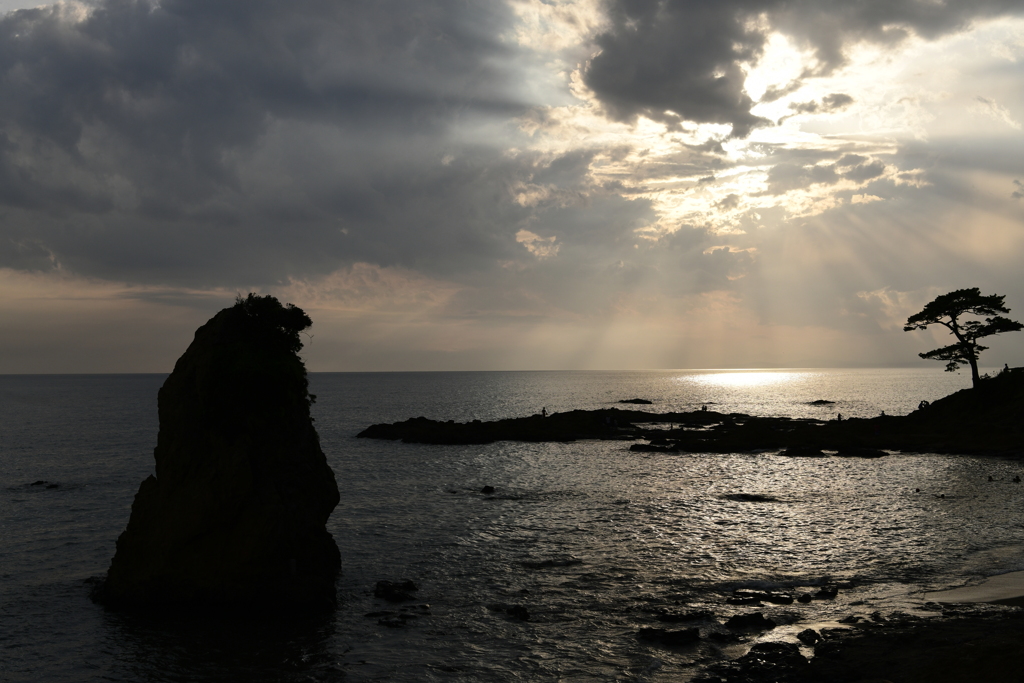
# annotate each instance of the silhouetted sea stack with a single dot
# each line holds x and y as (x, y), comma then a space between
(236, 514)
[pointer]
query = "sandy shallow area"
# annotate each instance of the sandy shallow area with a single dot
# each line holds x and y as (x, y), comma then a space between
(1005, 589)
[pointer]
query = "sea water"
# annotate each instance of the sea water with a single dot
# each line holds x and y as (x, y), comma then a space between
(594, 541)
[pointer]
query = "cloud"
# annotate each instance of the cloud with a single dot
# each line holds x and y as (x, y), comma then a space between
(132, 133)
(828, 104)
(682, 60)
(996, 111)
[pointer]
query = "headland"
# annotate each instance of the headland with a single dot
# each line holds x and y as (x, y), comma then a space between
(981, 420)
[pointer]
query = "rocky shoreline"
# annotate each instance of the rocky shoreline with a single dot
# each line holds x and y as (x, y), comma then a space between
(983, 420)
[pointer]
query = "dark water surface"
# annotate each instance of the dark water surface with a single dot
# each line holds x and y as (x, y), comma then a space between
(591, 539)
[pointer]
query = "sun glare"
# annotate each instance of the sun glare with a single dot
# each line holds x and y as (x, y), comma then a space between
(743, 378)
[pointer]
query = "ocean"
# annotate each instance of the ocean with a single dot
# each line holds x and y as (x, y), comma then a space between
(592, 540)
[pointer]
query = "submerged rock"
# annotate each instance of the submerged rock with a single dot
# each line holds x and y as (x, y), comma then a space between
(518, 612)
(802, 452)
(750, 498)
(395, 591)
(236, 513)
(747, 596)
(669, 637)
(827, 593)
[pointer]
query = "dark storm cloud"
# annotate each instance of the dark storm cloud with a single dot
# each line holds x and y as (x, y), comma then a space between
(675, 60)
(131, 138)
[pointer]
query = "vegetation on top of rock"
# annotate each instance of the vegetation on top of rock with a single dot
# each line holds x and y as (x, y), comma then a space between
(947, 310)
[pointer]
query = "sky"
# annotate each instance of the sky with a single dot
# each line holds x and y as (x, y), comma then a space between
(508, 184)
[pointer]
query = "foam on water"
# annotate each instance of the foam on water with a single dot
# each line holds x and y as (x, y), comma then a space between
(593, 540)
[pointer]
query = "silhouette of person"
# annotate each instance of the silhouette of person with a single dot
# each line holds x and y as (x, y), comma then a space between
(544, 412)
(839, 417)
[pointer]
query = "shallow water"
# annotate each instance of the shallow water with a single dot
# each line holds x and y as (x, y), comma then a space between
(592, 539)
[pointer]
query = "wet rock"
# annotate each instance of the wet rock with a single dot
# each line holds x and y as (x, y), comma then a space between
(834, 633)
(804, 598)
(851, 619)
(667, 637)
(821, 402)
(827, 593)
(487, 490)
(41, 482)
(774, 656)
(739, 601)
(808, 637)
(754, 621)
(236, 513)
(637, 401)
(395, 591)
(764, 663)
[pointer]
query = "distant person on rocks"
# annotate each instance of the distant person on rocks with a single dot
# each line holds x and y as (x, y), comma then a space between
(544, 412)
(704, 409)
(839, 417)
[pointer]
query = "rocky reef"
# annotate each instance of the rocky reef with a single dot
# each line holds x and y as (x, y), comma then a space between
(984, 419)
(236, 513)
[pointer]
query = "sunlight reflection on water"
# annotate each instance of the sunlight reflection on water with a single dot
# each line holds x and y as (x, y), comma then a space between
(743, 378)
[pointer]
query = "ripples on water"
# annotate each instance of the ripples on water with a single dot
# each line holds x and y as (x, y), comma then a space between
(593, 540)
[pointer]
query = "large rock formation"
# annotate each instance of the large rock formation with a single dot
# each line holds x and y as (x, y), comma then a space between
(237, 510)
